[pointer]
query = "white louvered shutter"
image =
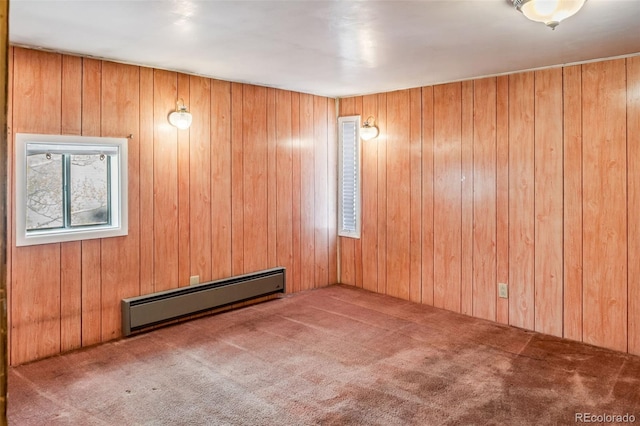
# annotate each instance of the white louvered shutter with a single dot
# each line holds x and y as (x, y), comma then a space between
(349, 176)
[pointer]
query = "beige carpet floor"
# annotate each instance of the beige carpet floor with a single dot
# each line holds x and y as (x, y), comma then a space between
(333, 356)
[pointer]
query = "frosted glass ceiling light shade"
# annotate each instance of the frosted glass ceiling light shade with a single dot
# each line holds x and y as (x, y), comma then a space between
(368, 130)
(181, 117)
(549, 12)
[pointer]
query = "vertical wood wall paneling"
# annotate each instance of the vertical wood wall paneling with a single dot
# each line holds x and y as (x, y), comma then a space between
(572, 197)
(467, 194)
(332, 190)
(91, 249)
(604, 204)
(369, 206)
(348, 256)
(200, 176)
(183, 154)
(10, 191)
(447, 196)
(427, 195)
(521, 200)
(165, 183)
(145, 141)
(255, 178)
(382, 193)
(548, 202)
(484, 199)
(237, 179)
(35, 295)
(357, 243)
(120, 260)
(633, 176)
(307, 207)
(502, 194)
(284, 188)
(398, 194)
(272, 179)
(222, 161)
(68, 295)
(321, 237)
(70, 253)
(415, 238)
(297, 194)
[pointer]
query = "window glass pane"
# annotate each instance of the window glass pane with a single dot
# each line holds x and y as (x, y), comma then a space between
(89, 195)
(44, 191)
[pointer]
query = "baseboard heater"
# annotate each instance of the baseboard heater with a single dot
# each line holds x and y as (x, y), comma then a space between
(142, 312)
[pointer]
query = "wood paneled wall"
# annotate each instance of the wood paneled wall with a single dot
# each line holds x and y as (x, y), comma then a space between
(531, 179)
(251, 185)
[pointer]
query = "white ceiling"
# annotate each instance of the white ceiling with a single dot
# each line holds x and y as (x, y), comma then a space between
(331, 48)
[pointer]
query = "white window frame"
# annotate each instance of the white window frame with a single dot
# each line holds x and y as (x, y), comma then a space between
(355, 200)
(119, 225)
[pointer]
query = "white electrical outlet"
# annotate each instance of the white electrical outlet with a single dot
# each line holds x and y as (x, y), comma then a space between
(503, 290)
(194, 280)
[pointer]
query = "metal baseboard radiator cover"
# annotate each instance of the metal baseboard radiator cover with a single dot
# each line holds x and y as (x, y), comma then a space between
(141, 312)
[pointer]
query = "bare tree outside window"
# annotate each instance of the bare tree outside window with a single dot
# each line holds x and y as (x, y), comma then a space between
(89, 190)
(44, 191)
(70, 188)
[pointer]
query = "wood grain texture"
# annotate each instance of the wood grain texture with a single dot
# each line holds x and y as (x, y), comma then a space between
(222, 205)
(284, 188)
(165, 184)
(447, 190)
(297, 193)
(91, 292)
(466, 185)
(320, 165)
(521, 201)
(415, 237)
(484, 199)
(192, 194)
(184, 215)
(120, 257)
(35, 278)
(572, 197)
(272, 180)
(200, 217)
(382, 193)
(307, 198)
(332, 190)
(604, 204)
(633, 207)
(237, 179)
(398, 195)
(254, 160)
(357, 243)
(427, 195)
(369, 229)
(10, 191)
(502, 194)
(70, 253)
(548, 201)
(147, 283)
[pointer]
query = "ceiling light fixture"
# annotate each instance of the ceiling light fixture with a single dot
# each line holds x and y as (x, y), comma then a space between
(368, 129)
(549, 12)
(181, 117)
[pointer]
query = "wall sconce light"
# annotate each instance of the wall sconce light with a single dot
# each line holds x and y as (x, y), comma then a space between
(369, 130)
(181, 117)
(549, 12)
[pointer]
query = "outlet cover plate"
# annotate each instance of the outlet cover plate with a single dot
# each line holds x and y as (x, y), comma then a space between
(194, 280)
(503, 290)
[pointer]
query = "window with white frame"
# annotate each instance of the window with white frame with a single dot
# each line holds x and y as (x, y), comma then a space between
(70, 188)
(349, 176)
